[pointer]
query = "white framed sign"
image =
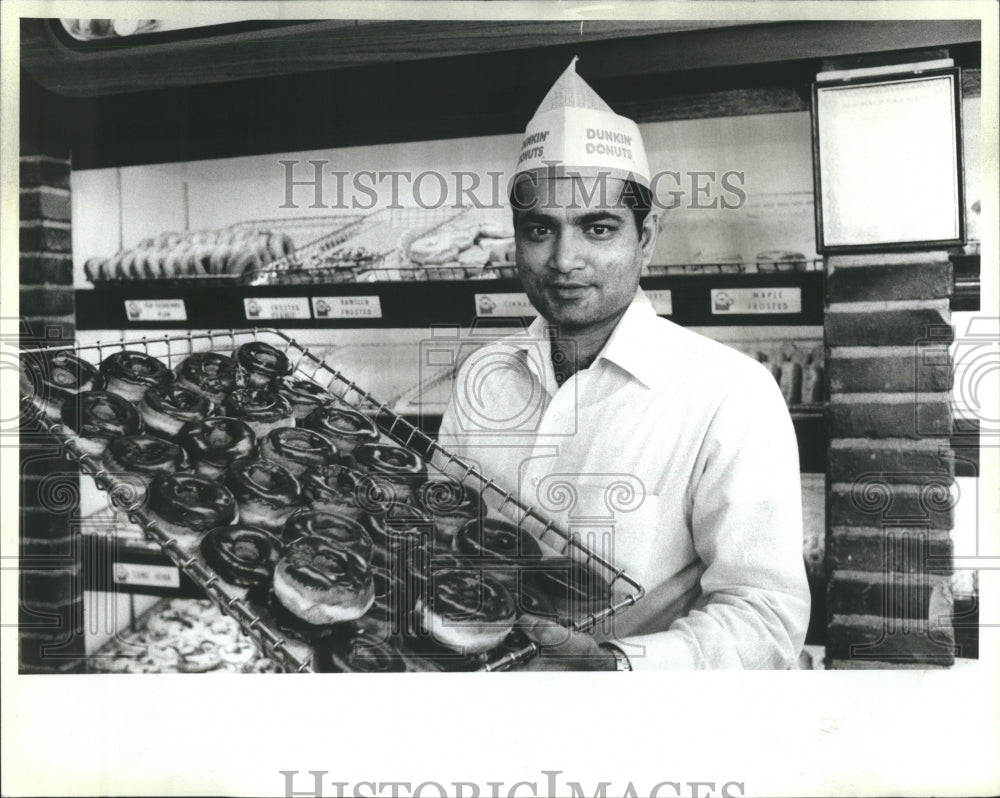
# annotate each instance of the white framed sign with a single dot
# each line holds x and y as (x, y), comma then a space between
(888, 162)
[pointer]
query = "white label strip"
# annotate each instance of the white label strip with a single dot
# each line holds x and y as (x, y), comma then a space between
(504, 305)
(130, 573)
(756, 300)
(663, 303)
(155, 310)
(347, 307)
(277, 307)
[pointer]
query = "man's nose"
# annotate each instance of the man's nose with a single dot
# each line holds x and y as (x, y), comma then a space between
(567, 255)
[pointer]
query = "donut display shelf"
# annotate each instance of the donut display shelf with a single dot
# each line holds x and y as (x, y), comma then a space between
(127, 493)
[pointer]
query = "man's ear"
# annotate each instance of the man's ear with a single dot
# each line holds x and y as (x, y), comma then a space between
(647, 236)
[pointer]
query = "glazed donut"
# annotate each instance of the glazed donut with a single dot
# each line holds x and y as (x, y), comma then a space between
(188, 505)
(571, 587)
(359, 653)
(267, 492)
(433, 249)
(261, 409)
(323, 583)
(129, 374)
(333, 488)
(167, 408)
(298, 449)
(303, 395)
(497, 540)
(146, 456)
(242, 555)
(207, 373)
(495, 231)
(262, 363)
(463, 237)
(50, 378)
(451, 504)
(396, 471)
(213, 443)
(346, 428)
(339, 529)
(466, 611)
(95, 417)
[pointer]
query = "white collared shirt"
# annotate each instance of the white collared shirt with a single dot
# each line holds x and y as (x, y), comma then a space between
(674, 457)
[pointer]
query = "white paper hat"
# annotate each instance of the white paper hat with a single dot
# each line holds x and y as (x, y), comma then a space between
(575, 132)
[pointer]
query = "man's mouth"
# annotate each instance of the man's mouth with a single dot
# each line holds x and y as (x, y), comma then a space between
(567, 288)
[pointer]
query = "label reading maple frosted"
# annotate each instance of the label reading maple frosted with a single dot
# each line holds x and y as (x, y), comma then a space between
(155, 310)
(347, 307)
(663, 303)
(146, 575)
(756, 300)
(504, 305)
(277, 307)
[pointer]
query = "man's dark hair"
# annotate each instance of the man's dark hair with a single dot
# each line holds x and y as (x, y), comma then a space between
(635, 196)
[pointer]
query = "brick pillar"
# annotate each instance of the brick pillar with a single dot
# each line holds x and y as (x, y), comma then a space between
(890, 466)
(50, 617)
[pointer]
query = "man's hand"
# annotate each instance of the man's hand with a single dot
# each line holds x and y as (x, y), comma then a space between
(562, 648)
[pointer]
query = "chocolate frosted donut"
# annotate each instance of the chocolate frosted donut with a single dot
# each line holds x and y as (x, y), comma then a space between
(188, 505)
(98, 416)
(467, 611)
(129, 374)
(50, 378)
(215, 442)
(346, 428)
(398, 531)
(451, 504)
(207, 373)
(261, 409)
(323, 583)
(339, 529)
(167, 408)
(494, 539)
(360, 653)
(144, 455)
(262, 363)
(394, 470)
(333, 488)
(303, 395)
(242, 555)
(266, 491)
(298, 449)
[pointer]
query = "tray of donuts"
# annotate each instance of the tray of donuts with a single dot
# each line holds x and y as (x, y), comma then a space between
(336, 533)
(223, 256)
(478, 244)
(367, 251)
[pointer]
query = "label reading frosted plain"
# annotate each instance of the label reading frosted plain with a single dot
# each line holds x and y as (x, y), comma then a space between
(146, 575)
(662, 301)
(155, 310)
(347, 307)
(504, 305)
(278, 307)
(730, 301)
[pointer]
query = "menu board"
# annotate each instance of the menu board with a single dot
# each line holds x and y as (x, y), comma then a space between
(888, 162)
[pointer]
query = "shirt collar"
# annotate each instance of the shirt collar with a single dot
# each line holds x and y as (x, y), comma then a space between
(626, 348)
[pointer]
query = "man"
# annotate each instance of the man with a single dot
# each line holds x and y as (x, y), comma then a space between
(671, 454)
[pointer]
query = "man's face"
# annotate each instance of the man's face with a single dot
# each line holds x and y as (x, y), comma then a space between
(579, 253)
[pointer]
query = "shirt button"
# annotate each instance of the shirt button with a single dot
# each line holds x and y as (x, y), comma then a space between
(534, 481)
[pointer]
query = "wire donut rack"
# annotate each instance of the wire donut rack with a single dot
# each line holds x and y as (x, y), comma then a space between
(124, 495)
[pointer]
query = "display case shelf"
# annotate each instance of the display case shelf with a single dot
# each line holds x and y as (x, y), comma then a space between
(789, 298)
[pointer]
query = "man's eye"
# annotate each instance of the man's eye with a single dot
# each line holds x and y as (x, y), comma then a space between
(600, 230)
(538, 231)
